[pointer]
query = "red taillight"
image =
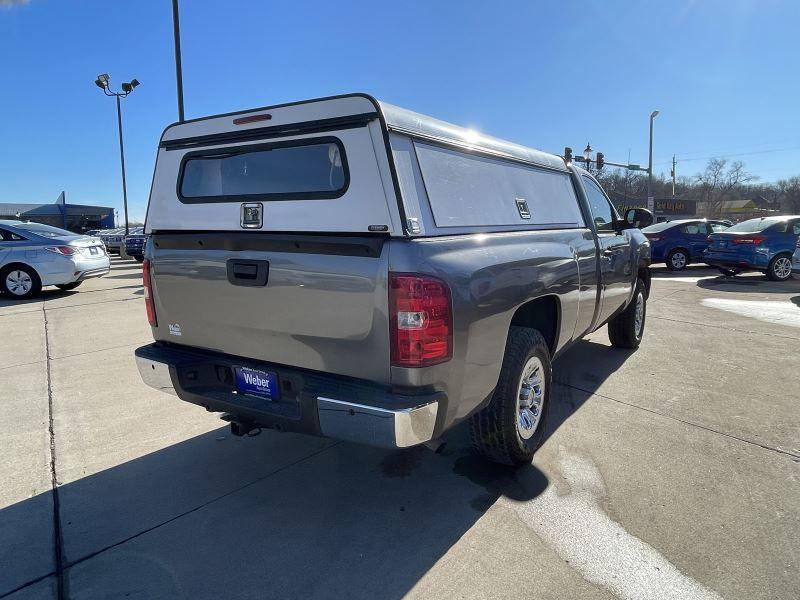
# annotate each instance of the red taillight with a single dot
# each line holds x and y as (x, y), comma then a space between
(654, 238)
(755, 240)
(63, 250)
(420, 320)
(148, 294)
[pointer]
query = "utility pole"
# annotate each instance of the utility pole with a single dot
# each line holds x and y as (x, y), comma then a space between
(673, 175)
(650, 200)
(176, 31)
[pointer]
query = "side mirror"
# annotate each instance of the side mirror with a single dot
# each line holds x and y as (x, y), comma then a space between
(638, 218)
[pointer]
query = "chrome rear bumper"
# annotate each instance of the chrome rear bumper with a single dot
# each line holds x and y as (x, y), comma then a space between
(337, 418)
(156, 375)
(377, 426)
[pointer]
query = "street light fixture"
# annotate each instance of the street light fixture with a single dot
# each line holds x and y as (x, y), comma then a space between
(128, 87)
(587, 154)
(650, 199)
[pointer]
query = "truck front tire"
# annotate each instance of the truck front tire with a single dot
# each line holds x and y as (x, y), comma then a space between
(627, 328)
(512, 427)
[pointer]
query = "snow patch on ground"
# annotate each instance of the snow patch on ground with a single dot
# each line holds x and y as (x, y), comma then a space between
(602, 551)
(770, 311)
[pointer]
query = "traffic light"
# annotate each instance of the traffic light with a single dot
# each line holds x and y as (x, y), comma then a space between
(599, 161)
(567, 155)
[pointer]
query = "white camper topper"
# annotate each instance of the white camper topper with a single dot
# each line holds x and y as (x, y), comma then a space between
(350, 164)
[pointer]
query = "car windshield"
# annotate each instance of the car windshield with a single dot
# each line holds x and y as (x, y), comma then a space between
(44, 230)
(752, 225)
(657, 227)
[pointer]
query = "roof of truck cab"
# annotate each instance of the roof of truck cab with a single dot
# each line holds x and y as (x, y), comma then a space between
(330, 110)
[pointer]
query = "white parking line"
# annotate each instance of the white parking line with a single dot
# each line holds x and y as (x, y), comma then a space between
(600, 549)
(781, 313)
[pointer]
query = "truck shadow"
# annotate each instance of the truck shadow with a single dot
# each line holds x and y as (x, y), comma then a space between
(753, 283)
(278, 515)
(577, 375)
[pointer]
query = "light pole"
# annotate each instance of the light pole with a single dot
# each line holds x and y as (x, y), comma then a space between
(127, 89)
(587, 155)
(176, 32)
(650, 199)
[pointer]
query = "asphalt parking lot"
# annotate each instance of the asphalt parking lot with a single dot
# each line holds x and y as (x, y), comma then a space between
(670, 472)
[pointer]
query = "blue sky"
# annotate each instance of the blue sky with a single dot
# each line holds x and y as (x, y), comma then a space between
(724, 75)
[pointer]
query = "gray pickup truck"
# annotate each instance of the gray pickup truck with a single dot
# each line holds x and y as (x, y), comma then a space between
(347, 268)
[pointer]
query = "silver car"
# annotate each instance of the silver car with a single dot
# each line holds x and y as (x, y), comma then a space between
(796, 258)
(33, 255)
(114, 239)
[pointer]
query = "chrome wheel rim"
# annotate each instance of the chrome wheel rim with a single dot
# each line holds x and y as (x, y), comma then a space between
(638, 322)
(679, 260)
(782, 268)
(530, 398)
(19, 283)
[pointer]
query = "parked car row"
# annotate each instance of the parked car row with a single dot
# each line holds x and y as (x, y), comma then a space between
(763, 244)
(114, 239)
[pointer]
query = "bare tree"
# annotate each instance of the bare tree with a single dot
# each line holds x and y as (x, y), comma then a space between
(789, 195)
(718, 184)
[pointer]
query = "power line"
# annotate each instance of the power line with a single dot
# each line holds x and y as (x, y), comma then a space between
(771, 150)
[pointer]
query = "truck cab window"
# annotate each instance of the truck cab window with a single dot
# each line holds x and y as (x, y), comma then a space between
(602, 213)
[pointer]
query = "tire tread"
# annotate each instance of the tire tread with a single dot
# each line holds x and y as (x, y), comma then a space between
(489, 435)
(621, 329)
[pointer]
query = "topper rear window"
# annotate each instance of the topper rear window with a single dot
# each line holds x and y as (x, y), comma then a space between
(307, 169)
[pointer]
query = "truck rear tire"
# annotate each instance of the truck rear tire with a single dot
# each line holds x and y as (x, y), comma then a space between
(512, 427)
(627, 328)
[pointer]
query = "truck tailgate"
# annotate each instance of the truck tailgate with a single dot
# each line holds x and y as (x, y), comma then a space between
(322, 305)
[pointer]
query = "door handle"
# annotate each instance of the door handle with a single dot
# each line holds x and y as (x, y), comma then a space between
(253, 273)
(612, 250)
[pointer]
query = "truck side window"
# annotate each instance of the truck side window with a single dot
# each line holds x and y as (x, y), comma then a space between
(602, 213)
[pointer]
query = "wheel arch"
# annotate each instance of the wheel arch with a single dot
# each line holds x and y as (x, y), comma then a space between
(679, 247)
(17, 264)
(544, 315)
(7, 268)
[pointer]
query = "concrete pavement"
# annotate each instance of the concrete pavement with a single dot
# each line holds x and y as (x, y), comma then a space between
(670, 472)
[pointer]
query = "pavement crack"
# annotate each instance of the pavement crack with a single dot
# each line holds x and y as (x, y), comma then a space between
(654, 300)
(27, 584)
(777, 335)
(198, 507)
(95, 303)
(685, 422)
(57, 533)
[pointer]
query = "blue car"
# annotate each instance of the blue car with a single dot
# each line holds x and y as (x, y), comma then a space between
(135, 243)
(764, 244)
(679, 243)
